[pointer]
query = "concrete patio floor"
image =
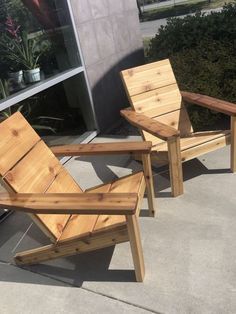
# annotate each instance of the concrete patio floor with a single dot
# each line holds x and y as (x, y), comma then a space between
(189, 250)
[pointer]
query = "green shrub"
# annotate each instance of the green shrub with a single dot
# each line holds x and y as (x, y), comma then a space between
(202, 50)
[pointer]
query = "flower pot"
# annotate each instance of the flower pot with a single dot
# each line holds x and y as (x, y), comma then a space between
(32, 76)
(16, 77)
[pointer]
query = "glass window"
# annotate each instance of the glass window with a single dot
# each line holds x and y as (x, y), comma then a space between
(59, 113)
(37, 42)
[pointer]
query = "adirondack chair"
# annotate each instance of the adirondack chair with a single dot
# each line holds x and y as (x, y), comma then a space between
(158, 110)
(74, 221)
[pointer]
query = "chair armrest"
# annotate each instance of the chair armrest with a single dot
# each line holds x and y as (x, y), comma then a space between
(71, 203)
(102, 149)
(149, 125)
(222, 106)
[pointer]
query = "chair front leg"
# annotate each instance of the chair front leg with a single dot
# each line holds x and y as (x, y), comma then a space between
(147, 168)
(233, 144)
(175, 166)
(136, 246)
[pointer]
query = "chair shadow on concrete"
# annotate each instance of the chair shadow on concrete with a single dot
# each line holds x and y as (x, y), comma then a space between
(191, 169)
(73, 270)
(87, 267)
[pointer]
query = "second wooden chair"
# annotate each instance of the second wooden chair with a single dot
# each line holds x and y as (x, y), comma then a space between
(158, 110)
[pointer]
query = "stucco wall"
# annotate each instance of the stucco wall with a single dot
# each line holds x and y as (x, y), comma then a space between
(110, 39)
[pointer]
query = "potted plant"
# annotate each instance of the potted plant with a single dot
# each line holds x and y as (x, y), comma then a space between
(29, 58)
(10, 30)
(21, 51)
(4, 89)
(16, 75)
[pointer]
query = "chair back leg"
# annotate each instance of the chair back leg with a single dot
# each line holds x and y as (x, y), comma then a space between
(175, 165)
(136, 246)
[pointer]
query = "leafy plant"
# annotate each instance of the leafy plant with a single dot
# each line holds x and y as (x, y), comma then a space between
(18, 48)
(4, 88)
(202, 52)
(25, 109)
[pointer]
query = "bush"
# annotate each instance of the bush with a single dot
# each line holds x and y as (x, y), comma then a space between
(202, 51)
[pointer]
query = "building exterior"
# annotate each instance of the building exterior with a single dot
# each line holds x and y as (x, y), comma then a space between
(110, 41)
(81, 46)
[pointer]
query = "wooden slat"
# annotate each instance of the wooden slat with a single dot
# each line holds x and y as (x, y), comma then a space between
(102, 149)
(194, 140)
(210, 103)
(77, 203)
(35, 172)
(148, 77)
(78, 226)
(156, 128)
(63, 183)
(158, 101)
(204, 148)
(68, 248)
(233, 145)
(178, 120)
(131, 183)
(16, 139)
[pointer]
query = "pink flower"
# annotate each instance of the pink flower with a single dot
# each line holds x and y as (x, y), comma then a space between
(12, 28)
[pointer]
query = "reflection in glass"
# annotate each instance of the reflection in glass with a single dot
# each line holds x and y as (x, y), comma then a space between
(62, 110)
(36, 42)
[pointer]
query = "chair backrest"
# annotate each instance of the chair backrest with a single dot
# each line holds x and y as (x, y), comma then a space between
(27, 165)
(152, 90)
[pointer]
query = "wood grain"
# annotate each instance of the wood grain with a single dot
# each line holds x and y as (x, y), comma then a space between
(149, 183)
(83, 203)
(158, 101)
(63, 183)
(76, 246)
(176, 172)
(210, 103)
(148, 77)
(102, 149)
(35, 172)
(156, 128)
(16, 140)
(136, 247)
(194, 140)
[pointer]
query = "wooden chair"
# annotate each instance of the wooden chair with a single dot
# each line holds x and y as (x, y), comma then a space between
(73, 220)
(159, 112)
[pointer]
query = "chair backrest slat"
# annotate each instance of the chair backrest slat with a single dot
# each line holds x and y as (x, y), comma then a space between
(153, 91)
(148, 77)
(158, 102)
(16, 140)
(33, 168)
(63, 183)
(35, 172)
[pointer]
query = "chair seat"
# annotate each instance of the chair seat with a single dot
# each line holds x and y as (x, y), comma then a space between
(80, 226)
(193, 140)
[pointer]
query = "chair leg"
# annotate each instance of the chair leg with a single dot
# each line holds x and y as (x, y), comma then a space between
(175, 164)
(72, 247)
(136, 247)
(233, 144)
(146, 159)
